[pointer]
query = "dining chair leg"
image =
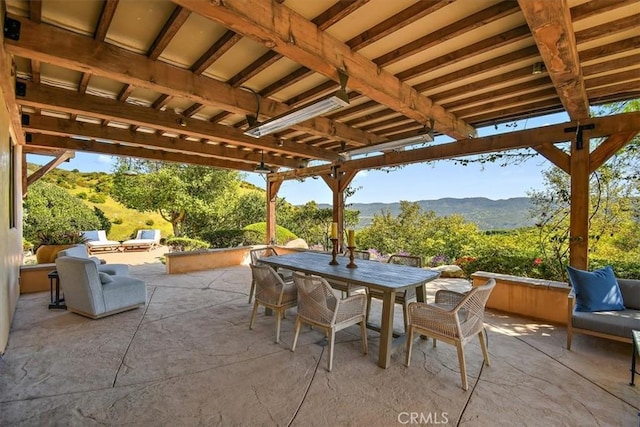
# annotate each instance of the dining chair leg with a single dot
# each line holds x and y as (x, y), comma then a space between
(363, 331)
(278, 321)
(253, 314)
(368, 307)
(463, 367)
(405, 316)
(295, 335)
(483, 345)
(252, 290)
(332, 338)
(407, 360)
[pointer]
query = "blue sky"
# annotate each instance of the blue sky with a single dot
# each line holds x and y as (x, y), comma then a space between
(422, 181)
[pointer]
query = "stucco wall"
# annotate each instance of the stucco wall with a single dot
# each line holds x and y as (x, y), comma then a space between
(10, 238)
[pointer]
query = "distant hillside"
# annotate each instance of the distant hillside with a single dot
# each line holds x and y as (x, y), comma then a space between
(488, 214)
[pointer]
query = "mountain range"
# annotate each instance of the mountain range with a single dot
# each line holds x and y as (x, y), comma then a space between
(487, 214)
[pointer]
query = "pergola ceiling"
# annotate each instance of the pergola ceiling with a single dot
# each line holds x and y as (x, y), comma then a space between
(174, 80)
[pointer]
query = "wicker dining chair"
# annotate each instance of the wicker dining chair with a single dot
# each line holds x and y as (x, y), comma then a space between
(255, 255)
(454, 318)
(319, 307)
(345, 287)
(272, 292)
(402, 298)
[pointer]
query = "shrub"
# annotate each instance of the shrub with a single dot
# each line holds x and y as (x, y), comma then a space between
(117, 221)
(229, 238)
(82, 195)
(149, 222)
(259, 237)
(97, 198)
(105, 224)
(176, 244)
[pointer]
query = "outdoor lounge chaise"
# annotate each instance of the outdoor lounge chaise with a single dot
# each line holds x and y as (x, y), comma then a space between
(615, 323)
(145, 240)
(97, 241)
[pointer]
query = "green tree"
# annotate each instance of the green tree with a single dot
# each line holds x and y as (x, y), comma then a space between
(51, 209)
(191, 198)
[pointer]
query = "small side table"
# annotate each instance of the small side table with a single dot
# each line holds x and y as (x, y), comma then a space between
(635, 351)
(54, 281)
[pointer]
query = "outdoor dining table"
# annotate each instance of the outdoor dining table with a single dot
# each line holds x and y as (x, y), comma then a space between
(387, 278)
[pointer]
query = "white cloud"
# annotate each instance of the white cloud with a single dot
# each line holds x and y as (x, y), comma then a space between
(103, 158)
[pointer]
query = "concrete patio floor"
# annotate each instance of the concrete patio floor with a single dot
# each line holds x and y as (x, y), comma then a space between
(189, 358)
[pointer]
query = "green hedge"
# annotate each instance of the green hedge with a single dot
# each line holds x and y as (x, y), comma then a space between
(179, 244)
(259, 229)
(228, 238)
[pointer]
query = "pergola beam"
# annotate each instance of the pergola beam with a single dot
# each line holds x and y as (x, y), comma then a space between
(552, 29)
(41, 42)
(281, 29)
(66, 101)
(43, 170)
(61, 127)
(39, 140)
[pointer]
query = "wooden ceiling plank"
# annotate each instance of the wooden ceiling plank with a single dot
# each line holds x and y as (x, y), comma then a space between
(125, 92)
(108, 11)
(399, 20)
(39, 140)
(60, 127)
(552, 30)
(169, 30)
(280, 29)
(595, 7)
(608, 149)
(79, 53)
(43, 170)
(260, 64)
(615, 64)
(615, 48)
(511, 114)
(471, 22)
(623, 76)
(507, 92)
(610, 28)
(483, 46)
(289, 79)
(599, 95)
(219, 48)
(526, 98)
(84, 82)
(57, 99)
(219, 117)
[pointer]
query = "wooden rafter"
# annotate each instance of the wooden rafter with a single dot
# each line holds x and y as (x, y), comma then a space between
(66, 101)
(552, 29)
(137, 152)
(169, 30)
(78, 53)
(604, 126)
(43, 170)
(61, 127)
(300, 41)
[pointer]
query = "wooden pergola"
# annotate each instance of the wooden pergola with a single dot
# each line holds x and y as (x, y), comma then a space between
(176, 80)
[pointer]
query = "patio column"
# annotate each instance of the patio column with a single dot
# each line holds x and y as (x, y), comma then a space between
(579, 217)
(272, 193)
(338, 182)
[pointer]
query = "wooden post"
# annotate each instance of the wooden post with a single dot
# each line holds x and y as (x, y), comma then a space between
(338, 182)
(579, 217)
(272, 193)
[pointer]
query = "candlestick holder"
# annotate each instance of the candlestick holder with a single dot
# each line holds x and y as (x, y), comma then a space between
(351, 258)
(334, 252)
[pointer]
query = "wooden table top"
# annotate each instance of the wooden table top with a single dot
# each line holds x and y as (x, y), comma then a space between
(372, 274)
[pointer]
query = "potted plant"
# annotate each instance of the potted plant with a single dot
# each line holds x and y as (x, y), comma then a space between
(50, 243)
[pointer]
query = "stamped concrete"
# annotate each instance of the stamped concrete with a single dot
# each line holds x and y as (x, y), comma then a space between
(189, 358)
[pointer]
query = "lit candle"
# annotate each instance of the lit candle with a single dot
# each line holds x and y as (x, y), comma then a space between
(334, 230)
(351, 239)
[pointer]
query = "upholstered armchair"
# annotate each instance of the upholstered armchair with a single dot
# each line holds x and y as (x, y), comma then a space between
(93, 294)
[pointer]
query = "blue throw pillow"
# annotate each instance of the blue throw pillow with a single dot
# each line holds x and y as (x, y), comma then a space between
(596, 290)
